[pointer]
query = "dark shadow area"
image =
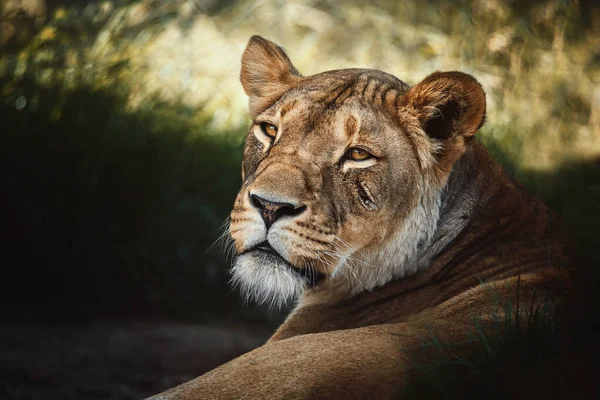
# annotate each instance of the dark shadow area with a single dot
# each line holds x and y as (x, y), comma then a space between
(116, 209)
(573, 191)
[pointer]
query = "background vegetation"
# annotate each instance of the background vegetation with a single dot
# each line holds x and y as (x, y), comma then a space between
(123, 121)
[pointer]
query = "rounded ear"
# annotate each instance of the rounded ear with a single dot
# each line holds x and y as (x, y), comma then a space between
(267, 73)
(447, 104)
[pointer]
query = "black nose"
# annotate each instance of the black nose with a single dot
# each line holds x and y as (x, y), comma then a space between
(271, 211)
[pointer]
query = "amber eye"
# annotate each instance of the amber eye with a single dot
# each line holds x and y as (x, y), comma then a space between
(269, 129)
(357, 154)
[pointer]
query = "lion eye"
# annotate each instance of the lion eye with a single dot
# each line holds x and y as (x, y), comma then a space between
(268, 129)
(357, 154)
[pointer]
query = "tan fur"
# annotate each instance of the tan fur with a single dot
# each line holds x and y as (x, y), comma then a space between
(418, 240)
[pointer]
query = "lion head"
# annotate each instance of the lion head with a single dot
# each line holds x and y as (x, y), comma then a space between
(343, 173)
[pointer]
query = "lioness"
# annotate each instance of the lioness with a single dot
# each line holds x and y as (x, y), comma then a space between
(371, 204)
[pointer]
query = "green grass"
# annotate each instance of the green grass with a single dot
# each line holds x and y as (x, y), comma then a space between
(505, 357)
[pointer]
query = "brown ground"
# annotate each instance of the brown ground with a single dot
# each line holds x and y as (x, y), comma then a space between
(113, 360)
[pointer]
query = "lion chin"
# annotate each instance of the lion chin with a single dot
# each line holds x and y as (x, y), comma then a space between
(267, 279)
(263, 276)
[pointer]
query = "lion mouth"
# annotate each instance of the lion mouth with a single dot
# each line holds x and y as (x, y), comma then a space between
(266, 247)
(268, 253)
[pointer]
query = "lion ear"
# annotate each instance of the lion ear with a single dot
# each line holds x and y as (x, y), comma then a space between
(267, 73)
(447, 104)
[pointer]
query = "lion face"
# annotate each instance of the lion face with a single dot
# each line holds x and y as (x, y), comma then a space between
(342, 175)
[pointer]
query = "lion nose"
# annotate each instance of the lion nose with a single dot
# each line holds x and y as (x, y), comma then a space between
(271, 211)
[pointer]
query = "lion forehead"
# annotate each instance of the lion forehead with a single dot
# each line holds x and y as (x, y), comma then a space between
(333, 89)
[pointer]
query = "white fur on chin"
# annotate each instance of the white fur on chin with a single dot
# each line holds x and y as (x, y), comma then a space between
(263, 281)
